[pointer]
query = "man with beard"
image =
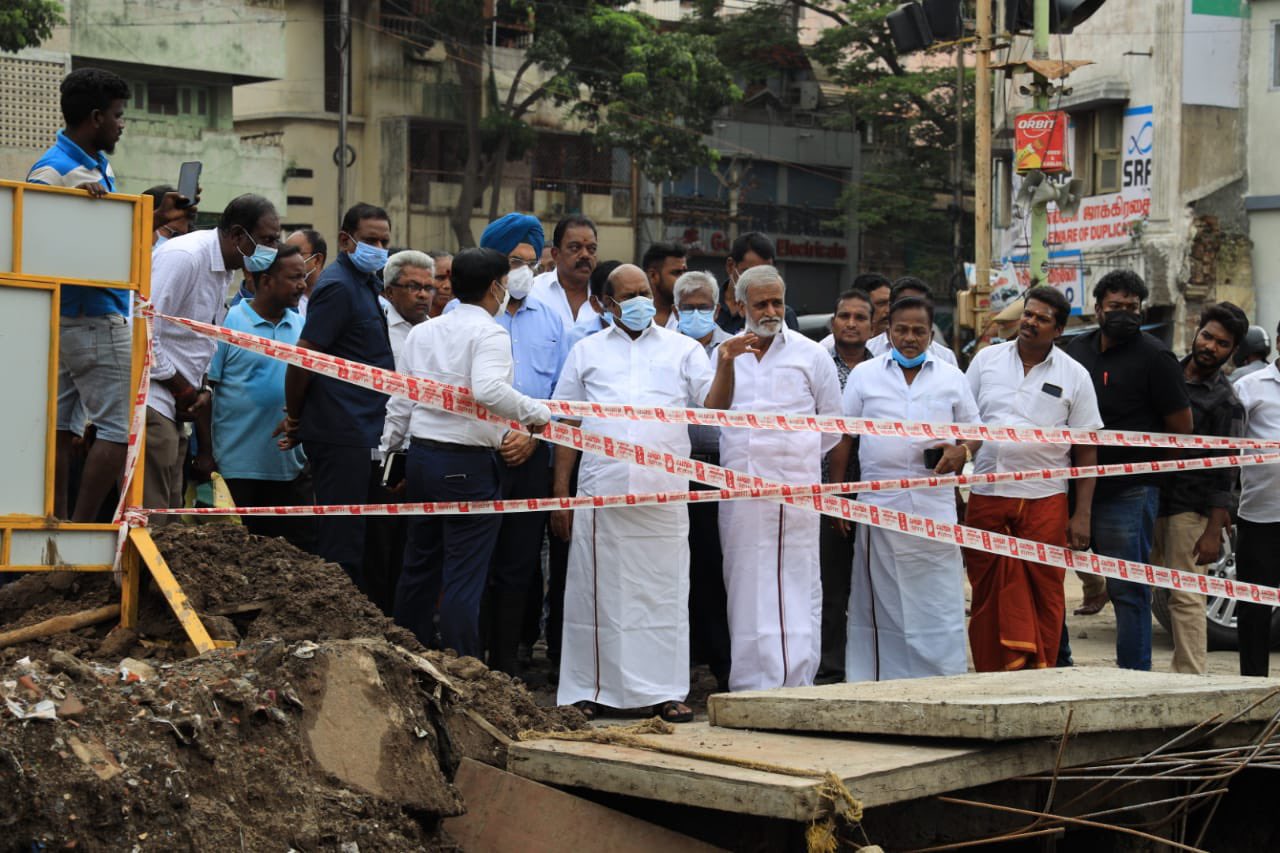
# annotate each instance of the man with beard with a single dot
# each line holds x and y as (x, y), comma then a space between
(1140, 389)
(574, 247)
(771, 569)
(1018, 605)
(1196, 506)
(906, 608)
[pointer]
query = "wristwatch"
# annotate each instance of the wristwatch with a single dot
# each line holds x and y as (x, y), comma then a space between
(968, 453)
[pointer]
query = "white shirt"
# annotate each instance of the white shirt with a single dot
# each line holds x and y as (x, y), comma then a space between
(1259, 393)
(877, 389)
(1058, 392)
(188, 279)
(547, 287)
(795, 376)
(879, 345)
(398, 329)
(464, 348)
(659, 368)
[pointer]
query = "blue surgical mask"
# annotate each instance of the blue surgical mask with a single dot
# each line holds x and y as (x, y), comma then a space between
(159, 240)
(368, 258)
(262, 257)
(908, 363)
(697, 324)
(637, 313)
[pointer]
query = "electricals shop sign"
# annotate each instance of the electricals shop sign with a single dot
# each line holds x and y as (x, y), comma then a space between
(1105, 220)
(706, 241)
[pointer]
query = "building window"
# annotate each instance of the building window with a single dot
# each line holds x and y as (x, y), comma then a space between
(437, 155)
(162, 100)
(561, 160)
(1099, 149)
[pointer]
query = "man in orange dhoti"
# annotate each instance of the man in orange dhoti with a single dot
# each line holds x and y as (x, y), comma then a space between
(1017, 611)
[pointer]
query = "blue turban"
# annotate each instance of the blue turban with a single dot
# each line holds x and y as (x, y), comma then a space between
(505, 233)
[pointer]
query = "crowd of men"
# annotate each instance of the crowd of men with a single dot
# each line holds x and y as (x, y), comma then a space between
(766, 594)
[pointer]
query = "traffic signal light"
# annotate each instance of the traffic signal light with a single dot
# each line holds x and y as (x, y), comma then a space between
(914, 26)
(1064, 15)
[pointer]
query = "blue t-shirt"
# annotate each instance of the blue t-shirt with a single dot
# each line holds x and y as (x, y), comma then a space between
(344, 319)
(66, 164)
(248, 400)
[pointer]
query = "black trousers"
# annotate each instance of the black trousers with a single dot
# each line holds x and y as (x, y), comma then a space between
(517, 560)
(836, 561)
(708, 605)
(384, 540)
(341, 476)
(298, 530)
(557, 571)
(1257, 561)
(446, 559)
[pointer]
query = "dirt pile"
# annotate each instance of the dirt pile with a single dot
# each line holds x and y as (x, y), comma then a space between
(326, 728)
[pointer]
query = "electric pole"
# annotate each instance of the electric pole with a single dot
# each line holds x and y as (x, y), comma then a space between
(1039, 249)
(982, 167)
(344, 95)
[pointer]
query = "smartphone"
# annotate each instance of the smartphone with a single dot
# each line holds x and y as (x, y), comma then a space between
(393, 469)
(932, 456)
(189, 180)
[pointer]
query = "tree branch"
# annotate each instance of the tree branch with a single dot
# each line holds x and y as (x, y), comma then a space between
(830, 13)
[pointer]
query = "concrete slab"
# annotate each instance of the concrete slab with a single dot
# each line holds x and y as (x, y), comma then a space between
(878, 771)
(1000, 706)
(506, 812)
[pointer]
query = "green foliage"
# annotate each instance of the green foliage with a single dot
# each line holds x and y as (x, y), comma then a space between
(27, 23)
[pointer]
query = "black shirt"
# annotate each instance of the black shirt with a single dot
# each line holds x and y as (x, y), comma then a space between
(1215, 410)
(1138, 382)
(734, 324)
(344, 319)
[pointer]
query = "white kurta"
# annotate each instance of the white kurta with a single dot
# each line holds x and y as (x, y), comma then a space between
(626, 606)
(906, 604)
(771, 572)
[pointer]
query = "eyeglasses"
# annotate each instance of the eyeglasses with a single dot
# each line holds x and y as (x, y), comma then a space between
(517, 263)
(415, 287)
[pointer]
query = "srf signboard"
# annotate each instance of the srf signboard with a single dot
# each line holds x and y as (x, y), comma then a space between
(1040, 142)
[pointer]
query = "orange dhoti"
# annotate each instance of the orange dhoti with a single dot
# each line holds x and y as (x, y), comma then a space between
(1018, 606)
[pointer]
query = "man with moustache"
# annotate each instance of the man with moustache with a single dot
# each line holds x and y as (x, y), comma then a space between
(443, 279)
(906, 608)
(663, 263)
(1018, 606)
(574, 248)
(771, 570)
(248, 394)
(1196, 506)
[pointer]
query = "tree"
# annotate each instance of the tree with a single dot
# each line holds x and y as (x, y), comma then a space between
(27, 23)
(633, 86)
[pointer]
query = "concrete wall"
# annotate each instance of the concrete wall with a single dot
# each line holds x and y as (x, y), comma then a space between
(1263, 104)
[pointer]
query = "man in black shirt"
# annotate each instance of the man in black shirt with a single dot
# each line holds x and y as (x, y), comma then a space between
(1140, 388)
(1196, 506)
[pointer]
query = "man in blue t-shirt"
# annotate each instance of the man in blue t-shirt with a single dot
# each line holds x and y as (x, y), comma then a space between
(94, 342)
(248, 396)
(338, 423)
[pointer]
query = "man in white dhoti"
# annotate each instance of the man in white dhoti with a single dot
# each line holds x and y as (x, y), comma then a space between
(771, 571)
(626, 608)
(906, 607)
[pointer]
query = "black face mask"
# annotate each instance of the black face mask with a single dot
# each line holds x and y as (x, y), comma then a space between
(1121, 325)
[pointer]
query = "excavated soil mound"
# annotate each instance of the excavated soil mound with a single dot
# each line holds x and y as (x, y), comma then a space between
(326, 728)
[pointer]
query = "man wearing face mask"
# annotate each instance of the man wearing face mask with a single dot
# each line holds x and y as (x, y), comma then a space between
(189, 278)
(538, 348)
(771, 569)
(315, 251)
(1140, 389)
(626, 610)
(457, 458)
(1196, 506)
(906, 604)
(338, 423)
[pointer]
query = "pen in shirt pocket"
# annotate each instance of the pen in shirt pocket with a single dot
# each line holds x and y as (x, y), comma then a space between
(1105, 374)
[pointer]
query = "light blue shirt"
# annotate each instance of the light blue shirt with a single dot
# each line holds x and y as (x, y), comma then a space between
(538, 346)
(248, 400)
(585, 329)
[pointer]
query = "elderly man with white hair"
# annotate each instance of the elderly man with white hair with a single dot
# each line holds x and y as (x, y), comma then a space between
(771, 569)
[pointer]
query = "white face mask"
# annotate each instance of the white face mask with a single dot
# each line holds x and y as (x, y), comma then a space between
(520, 282)
(506, 297)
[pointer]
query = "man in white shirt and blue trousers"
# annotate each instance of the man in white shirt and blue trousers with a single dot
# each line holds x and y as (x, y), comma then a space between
(456, 457)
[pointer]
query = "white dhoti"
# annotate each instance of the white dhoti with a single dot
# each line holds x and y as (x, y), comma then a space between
(773, 585)
(906, 608)
(626, 607)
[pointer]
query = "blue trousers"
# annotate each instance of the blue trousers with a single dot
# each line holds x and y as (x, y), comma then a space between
(340, 475)
(1123, 526)
(446, 558)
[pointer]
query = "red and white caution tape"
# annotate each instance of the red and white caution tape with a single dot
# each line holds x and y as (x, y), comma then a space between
(137, 422)
(459, 401)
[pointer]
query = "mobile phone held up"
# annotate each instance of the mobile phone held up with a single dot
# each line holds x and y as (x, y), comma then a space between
(189, 181)
(932, 456)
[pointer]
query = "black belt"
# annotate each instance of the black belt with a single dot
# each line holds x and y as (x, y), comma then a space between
(449, 446)
(713, 458)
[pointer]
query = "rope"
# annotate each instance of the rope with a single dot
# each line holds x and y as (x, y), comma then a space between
(820, 837)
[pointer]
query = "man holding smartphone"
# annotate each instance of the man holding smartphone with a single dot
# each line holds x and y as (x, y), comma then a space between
(906, 608)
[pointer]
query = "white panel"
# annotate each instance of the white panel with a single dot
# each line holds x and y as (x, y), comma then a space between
(24, 352)
(62, 547)
(6, 229)
(74, 236)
